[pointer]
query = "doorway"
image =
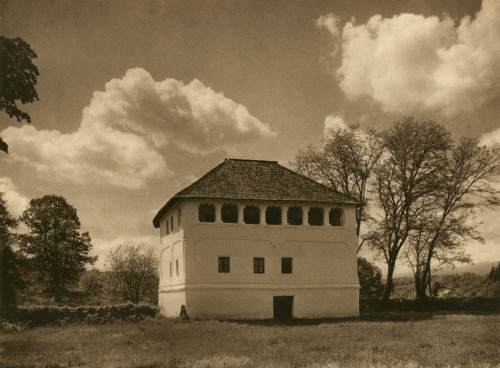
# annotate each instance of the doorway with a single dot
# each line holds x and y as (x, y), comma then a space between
(283, 307)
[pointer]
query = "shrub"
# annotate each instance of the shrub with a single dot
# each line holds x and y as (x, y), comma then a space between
(54, 315)
(370, 279)
(132, 273)
(479, 304)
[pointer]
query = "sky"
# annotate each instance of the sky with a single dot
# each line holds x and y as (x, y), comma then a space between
(140, 99)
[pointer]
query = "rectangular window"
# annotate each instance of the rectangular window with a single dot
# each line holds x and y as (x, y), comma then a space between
(258, 265)
(170, 269)
(172, 223)
(177, 267)
(286, 265)
(179, 217)
(224, 264)
(168, 229)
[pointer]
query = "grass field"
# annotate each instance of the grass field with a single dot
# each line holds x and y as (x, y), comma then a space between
(409, 340)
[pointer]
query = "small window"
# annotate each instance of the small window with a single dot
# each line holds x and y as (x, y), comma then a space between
(273, 215)
(168, 228)
(315, 216)
(179, 217)
(224, 264)
(172, 223)
(251, 215)
(286, 265)
(206, 212)
(294, 215)
(177, 267)
(336, 217)
(229, 213)
(258, 265)
(170, 269)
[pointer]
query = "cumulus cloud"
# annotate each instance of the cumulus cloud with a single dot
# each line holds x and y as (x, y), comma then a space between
(16, 202)
(410, 62)
(127, 128)
(334, 122)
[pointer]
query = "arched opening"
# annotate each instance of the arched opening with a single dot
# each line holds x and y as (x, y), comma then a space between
(206, 212)
(273, 215)
(315, 216)
(336, 217)
(294, 215)
(229, 213)
(251, 215)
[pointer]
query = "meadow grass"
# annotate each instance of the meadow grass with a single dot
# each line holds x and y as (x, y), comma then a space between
(414, 340)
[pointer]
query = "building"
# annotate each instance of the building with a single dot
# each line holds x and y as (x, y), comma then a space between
(255, 240)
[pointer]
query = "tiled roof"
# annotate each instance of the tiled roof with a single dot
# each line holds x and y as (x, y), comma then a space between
(259, 180)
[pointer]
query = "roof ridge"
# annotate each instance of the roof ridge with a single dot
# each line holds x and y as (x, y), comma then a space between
(249, 160)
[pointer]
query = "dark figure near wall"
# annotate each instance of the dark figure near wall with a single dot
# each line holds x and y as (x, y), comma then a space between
(184, 314)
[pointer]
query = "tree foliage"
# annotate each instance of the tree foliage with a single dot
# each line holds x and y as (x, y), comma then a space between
(494, 274)
(345, 163)
(92, 283)
(370, 279)
(54, 244)
(133, 273)
(18, 77)
(10, 275)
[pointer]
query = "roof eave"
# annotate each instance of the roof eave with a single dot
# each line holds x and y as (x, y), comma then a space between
(171, 202)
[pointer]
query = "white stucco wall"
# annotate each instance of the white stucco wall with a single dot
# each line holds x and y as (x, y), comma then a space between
(324, 280)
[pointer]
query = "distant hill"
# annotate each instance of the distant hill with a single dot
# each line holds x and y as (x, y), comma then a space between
(482, 268)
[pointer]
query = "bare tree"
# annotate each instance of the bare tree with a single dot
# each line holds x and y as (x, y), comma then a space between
(405, 185)
(133, 273)
(345, 163)
(462, 186)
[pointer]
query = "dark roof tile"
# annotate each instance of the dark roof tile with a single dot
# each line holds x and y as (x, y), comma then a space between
(258, 180)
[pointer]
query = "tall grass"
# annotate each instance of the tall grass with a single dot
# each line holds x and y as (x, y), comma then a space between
(435, 341)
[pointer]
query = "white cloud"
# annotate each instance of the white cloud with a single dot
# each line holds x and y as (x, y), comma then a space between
(410, 62)
(334, 122)
(330, 22)
(491, 138)
(127, 128)
(16, 202)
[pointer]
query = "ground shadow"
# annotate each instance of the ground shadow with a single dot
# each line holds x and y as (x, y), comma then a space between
(364, 317)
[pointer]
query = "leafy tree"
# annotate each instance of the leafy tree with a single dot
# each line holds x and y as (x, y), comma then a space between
(54, 244)
(10, 274)
(18, 77)
(494, 274)
(133, 273)
(405, 185)
(345, 163)
(370, 279)
(92, 283)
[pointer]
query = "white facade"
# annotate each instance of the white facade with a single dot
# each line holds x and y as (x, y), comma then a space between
(323, 281)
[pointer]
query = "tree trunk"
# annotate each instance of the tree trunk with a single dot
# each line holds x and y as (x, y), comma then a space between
(418, 281)
(425, 281)
(389, 284)
(430, 284)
